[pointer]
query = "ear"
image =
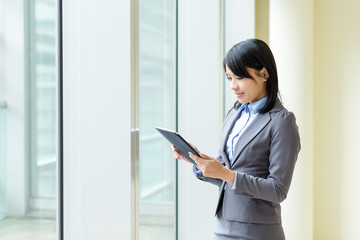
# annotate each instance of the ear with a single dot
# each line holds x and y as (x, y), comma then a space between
(264, 74)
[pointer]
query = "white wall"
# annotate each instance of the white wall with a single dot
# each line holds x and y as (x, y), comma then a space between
(199, 111)
(2, 50)
(291, 40)
(97, 119)
(337, 117)
(239, 26)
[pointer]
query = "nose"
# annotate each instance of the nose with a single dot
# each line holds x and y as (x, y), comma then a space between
(233, 85)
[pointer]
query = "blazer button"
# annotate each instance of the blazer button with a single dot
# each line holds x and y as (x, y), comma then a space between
(246, 195)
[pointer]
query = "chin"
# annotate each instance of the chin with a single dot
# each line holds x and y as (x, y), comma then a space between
(242, 101)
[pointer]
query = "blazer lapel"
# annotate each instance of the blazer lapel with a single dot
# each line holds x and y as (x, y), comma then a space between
(228, 126)
(255, 127)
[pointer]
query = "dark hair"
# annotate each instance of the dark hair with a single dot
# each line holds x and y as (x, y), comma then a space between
(256, 54)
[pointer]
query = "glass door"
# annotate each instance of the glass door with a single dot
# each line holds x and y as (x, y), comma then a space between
(157, 107)
(29, 123)
(42, 107)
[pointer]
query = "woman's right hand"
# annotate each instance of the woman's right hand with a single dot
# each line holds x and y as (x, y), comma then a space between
(179, 155)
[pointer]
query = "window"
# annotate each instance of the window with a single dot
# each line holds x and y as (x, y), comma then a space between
(42, 109)
(28, 124)
(157, 107)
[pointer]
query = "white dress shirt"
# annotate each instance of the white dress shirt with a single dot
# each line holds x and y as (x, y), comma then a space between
(247, 114)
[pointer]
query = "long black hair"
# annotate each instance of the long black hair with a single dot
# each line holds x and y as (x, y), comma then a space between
(256, 54)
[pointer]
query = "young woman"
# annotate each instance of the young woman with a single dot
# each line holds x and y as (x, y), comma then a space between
(259, 147)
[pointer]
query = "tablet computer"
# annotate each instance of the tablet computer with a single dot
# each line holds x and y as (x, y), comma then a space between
(180, 143)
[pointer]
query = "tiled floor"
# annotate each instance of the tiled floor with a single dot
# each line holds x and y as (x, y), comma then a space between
(27, 229)
(156, 228)
(31, 228)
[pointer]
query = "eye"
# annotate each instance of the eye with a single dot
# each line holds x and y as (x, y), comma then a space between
(239, 78)
(228, 78)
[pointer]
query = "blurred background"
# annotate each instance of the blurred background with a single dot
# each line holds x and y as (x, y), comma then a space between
(123, 67)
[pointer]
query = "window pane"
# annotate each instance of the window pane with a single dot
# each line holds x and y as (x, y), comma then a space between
(37, 194)
(157, 91)
(3, 202)
(42, 101)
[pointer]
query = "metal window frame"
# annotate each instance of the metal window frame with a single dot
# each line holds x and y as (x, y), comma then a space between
(222, 84)
(60, 192)
(134, 121)
(177, 116)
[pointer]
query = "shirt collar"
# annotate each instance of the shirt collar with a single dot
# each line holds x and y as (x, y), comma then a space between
(255, 107)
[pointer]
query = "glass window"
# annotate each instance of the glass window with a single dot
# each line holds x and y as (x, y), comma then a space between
(38, 220)
(3, 202)
(157, 107)
(42, 103)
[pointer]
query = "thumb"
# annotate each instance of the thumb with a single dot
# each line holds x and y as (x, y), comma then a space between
(204, 156)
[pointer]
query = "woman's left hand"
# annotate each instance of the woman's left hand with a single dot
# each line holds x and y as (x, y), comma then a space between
(210, 167)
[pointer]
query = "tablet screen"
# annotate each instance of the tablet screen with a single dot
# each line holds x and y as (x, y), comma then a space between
(180, 143)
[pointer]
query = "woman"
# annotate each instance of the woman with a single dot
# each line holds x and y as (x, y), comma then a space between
(259, 147)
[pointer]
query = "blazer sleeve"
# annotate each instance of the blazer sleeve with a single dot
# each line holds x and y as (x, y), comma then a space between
(284, 149)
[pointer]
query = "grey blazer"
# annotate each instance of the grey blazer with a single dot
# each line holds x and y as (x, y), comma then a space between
(264, 160)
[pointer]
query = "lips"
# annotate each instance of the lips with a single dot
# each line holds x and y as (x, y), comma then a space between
(239, 95)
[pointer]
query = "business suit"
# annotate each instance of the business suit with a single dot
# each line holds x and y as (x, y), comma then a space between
(264, 159)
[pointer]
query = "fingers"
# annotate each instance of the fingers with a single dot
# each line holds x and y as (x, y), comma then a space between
(209, 166)
(203, 160)
(195, 148)
(193, 156)
(197, 159)
(175, 152)
(204, 156)
(178, 154)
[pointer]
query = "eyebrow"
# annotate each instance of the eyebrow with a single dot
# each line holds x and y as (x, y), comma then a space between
(228, 74)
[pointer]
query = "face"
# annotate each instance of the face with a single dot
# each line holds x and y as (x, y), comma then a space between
(248, 90)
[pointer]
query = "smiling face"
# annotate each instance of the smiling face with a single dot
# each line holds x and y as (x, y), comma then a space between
(248, 90)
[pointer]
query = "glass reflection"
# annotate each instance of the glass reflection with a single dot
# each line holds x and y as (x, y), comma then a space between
(38, 220)
(157, 91)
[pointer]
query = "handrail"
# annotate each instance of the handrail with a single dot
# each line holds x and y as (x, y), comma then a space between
(3, 104)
